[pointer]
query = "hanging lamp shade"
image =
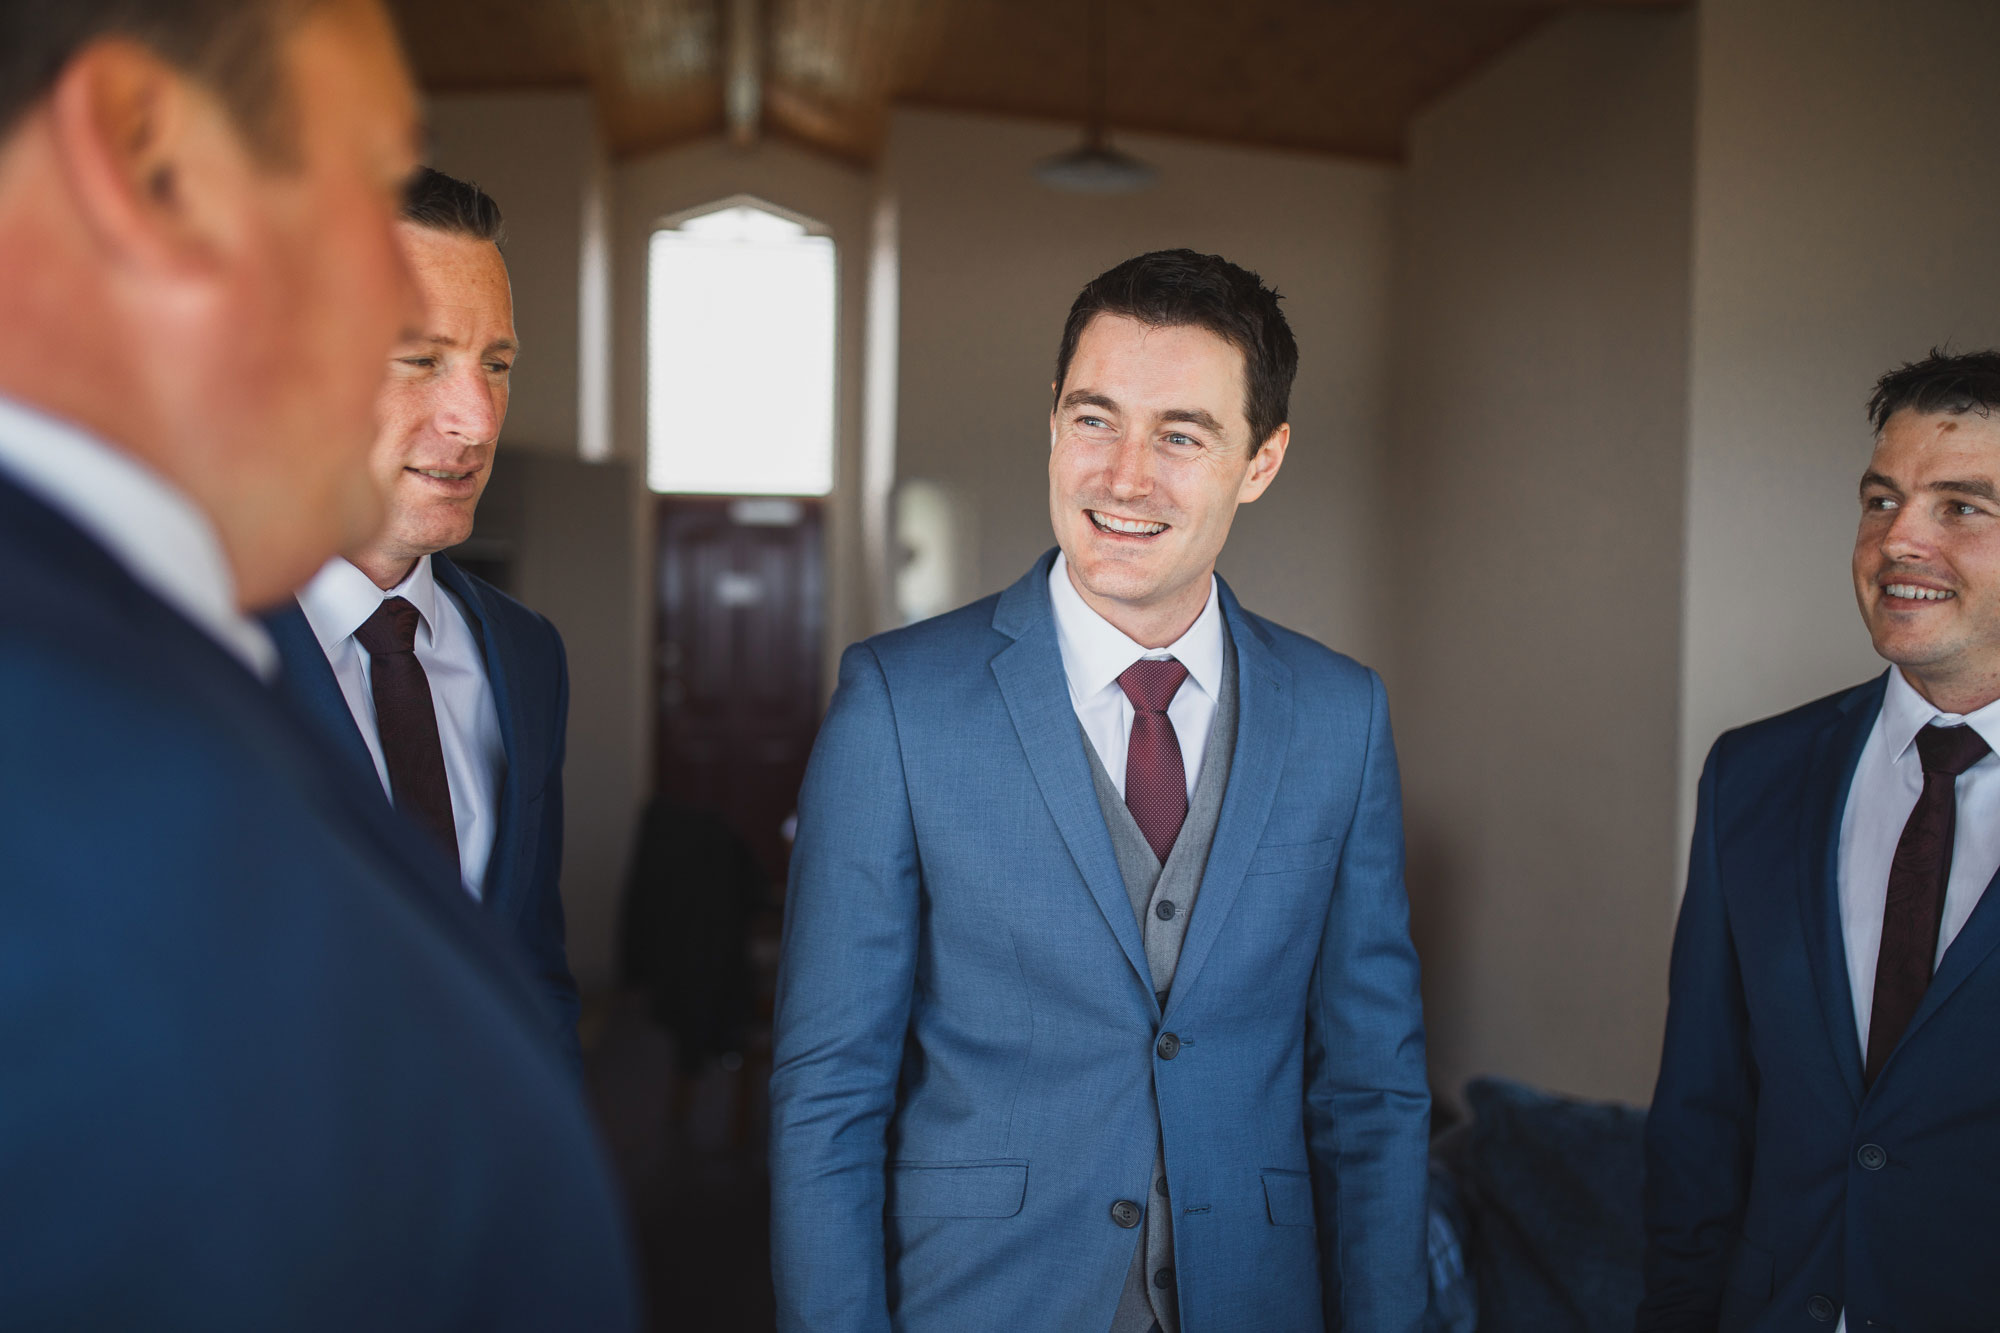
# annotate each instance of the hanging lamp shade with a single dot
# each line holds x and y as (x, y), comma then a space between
(1094, 166)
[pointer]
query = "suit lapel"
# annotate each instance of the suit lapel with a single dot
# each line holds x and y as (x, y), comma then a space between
(1974, 943)
(308, 681)
(503, 668)
(1030, 675)
(1836, 753)
(1263, 738)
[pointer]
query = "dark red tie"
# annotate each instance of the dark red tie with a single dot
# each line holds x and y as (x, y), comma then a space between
(1155, 776)
(1917, 878)
(406, 720)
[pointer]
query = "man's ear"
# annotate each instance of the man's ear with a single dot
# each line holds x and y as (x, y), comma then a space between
(149, 155)
(1264, 464)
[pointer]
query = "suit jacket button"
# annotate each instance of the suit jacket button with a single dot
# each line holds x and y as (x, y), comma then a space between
(1872, 1157)
(1165, 911)
(1164, 1278)
(1822, 1309)
(1126, 1213)
(1170, 1046)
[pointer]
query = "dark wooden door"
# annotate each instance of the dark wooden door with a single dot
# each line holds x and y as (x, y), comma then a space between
(741, 596)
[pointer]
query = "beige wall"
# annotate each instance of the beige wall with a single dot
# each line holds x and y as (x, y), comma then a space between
(1845, 222)
(1535, 505)
(990, 261)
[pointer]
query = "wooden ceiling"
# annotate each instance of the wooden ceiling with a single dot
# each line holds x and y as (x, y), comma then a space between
(1334, 76)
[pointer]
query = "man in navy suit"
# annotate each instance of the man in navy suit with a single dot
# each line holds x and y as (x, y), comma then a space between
(1822, 1149)
(475, 754)
(1097, 1008)
(265, 1068)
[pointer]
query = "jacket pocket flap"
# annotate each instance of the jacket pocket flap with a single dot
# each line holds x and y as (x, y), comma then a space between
(1288, 1197)
(1277, 857)
(957, 1189)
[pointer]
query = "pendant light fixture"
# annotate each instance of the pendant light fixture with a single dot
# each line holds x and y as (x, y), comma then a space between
(1095, 167)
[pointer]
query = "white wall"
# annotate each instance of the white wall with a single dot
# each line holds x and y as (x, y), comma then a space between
(990, 261)
(1845, 222)
(1535, 538)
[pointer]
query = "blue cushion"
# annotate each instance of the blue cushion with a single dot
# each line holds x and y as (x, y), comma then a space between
(1552, 1190)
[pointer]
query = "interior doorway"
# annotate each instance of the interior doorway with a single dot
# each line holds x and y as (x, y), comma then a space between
(741, 596)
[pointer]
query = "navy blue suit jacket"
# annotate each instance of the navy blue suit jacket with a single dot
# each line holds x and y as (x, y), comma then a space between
(967, 1039)
(530, 679)
(1779, 1190)
(262, 1065)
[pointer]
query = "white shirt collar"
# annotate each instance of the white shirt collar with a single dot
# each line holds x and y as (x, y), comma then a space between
(1905, 713)
(161, 537)
(340, 598)
(1096, 652)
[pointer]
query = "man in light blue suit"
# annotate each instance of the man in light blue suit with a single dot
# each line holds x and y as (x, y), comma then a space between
(1097, 1008)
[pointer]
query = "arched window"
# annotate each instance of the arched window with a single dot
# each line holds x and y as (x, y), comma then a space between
(740, 346)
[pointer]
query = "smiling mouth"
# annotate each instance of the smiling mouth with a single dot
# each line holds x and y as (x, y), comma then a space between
(1125, 527)
(1911, 592)
(441, 474)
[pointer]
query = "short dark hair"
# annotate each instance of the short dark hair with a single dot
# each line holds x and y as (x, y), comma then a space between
(1945, 382)
(1183, 289)
(448, 204)
(232, 46)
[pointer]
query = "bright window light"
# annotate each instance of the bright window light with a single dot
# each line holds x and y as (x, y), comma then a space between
(740, 324)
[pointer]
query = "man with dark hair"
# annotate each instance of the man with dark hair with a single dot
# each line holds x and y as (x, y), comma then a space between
(1097, 1008)
(264, 1067)
(464, 731)
(1821, 1148)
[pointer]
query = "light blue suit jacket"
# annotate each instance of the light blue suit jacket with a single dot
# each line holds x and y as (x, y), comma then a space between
(967, 1050)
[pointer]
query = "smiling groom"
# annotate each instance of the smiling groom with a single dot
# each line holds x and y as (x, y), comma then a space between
(1097, 1008)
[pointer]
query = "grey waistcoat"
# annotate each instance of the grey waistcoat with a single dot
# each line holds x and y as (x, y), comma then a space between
(1152, 887)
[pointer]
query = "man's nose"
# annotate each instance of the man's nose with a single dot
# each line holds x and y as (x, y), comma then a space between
(1911, 535)
(468, 409)
(1132, 466)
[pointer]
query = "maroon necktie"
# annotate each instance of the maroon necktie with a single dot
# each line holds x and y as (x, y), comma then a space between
(1155, 777)
(1917, 878)
(406, 720)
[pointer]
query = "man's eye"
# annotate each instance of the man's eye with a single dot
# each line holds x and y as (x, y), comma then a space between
(1176, 438)
(499, 367)
(1964, 510)
(1096, 423)
(418, 362)
(1879, 503)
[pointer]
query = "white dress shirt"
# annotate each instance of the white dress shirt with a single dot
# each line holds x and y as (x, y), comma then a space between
(162, 538)
(1095, 653)
(1886, 785)
(337, 603)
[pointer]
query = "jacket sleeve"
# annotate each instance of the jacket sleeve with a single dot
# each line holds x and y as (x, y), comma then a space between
(1367, 1099)
(845, 982)
(1699, 1132)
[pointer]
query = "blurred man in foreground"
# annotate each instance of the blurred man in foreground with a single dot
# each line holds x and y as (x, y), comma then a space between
(460, 721)
(265, 1069)
(1822, 1145)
